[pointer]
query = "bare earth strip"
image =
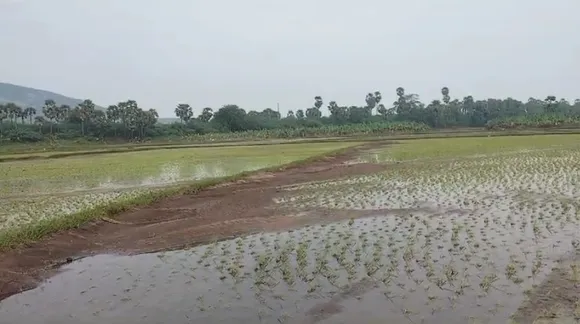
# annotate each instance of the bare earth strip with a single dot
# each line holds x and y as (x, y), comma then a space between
(216, 213)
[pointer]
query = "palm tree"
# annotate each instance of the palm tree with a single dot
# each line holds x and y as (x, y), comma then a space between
(3, 115)
(14, 111)
(382, 110)
(400, 91)
(113, 113)
(318, 102)
(153, 112)
(313, 112)
(62, 112)
(371, 101)
(378, 97)
(400, 105)
(86, 110)
(445, 93)
(551, 104)
(206, 115)
(184, 112)
(129, 115)
(30, 112)
(50, 111)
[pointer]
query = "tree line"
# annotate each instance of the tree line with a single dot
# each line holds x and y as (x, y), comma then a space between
(127, 121)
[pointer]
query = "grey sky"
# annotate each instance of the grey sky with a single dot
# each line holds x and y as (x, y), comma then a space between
(255, 53)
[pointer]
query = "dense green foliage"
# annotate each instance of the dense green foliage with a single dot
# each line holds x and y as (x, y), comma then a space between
(126, 120)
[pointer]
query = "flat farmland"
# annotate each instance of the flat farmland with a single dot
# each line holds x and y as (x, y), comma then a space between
(454, 230)
(33, 191)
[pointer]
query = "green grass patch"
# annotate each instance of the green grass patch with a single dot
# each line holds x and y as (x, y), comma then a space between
(54, 150)
(97, 150)
(129, 166)
(457, 147)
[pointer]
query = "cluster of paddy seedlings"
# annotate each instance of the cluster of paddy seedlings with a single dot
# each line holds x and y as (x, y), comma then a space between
(501, 221)
(458, 184)
(34, 190)
(421, 264)
(17, 212)
(470, 262)
(26, 201)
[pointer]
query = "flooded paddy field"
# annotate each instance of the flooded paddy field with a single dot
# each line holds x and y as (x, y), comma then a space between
(480, 230)
(38, 189)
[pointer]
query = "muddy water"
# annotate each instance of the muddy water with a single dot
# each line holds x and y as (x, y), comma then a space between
(448, 268)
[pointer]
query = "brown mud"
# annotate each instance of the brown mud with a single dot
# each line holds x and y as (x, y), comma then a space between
(557, 299)
(218, 212)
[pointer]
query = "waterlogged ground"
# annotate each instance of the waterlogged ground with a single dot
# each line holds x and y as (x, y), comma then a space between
(508, 215)
(450, 231)
(394, 269)
(37, 189)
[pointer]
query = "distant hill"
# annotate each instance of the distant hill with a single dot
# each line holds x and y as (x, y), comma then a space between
(30, 97)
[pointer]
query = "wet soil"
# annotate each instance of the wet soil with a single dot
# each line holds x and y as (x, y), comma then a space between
(557, 299)
(219, 212)
(238, 208)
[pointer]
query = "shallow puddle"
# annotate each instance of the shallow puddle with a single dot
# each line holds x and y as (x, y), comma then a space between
(397, 269)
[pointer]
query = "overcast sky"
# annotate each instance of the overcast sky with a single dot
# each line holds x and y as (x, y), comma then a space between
(255, 53)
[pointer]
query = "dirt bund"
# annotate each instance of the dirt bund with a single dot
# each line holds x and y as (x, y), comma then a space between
(218, 212)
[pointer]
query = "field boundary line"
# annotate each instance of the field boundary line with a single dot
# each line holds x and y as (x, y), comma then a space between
(17, 236)
(59, 155)
(25, 156)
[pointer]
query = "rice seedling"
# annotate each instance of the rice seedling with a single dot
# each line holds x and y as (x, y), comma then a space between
(491, 213)
(31, 191)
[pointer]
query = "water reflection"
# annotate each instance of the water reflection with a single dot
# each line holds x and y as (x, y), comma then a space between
(397, 269)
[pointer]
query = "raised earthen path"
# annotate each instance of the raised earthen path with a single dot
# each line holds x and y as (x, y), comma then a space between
(222, 211)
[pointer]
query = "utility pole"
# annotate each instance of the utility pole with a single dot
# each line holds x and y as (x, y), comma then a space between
(278, 106)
